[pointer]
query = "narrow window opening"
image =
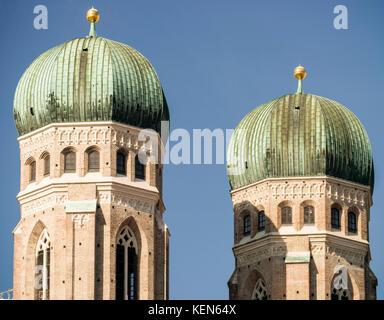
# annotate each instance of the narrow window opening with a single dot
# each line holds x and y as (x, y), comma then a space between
(335, 218)
(309, 215)
(247, 225)
(286, 215)
(261, 221)
(120, 163)
(139, 169)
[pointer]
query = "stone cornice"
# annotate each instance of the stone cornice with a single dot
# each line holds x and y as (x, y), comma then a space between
(101, 182)
(305, 188)
(82, 133)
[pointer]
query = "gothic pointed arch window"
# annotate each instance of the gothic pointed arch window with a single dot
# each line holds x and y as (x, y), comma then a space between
(260, 291)
(42, 266)
(126, 265)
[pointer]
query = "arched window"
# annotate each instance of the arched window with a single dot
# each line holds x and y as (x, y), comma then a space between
(69, 161)
(120, 163)
(126, 265)
(335, 218)
(32, 171)
(42, 270)
(47, 165)
(93, 160)
(309, 215)
(261, 221)
(352, 222)
(247, 225)
(286, 215)
(139, 169)
(260, 291)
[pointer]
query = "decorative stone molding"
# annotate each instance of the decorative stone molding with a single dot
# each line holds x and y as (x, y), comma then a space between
(80, 219)
(78, 134)
(317, 248)
(107, 197)
(260, 254)
(353, 256)
(347, 195)
(43, 203)
(302, 189)
(357, 258)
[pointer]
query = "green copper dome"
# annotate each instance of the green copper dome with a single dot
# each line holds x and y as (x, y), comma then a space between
(89, 79)
(299, 135)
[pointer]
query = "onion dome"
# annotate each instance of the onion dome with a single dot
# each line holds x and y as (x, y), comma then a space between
(90, 79)
(299, 135)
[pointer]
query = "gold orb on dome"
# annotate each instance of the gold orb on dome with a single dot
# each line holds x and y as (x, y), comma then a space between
(299, 72)
(93, 15)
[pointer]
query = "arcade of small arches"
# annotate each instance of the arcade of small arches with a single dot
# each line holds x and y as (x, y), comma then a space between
(92, 162)
(253, 222)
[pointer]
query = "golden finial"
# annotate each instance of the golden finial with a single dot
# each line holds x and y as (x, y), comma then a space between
(93, 15)
(299, 72)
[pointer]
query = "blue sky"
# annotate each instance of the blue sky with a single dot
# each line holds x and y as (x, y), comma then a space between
(217, 60)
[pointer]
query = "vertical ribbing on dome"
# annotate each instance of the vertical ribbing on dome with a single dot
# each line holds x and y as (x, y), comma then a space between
(90, 79)
(299, 135)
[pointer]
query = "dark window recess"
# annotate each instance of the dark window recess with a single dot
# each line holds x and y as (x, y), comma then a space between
(120, 163)
(32, 112)
(352, 222)
(247, 225)
(246, 164)
(139, 169)
(297, 108)
(335, 218)
(261, 221)
(119, 272)
(132, 274)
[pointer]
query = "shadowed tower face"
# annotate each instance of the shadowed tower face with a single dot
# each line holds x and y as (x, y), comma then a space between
(301, 175)
(91, 204)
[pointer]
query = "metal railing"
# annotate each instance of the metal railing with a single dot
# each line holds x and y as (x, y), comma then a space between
(6, 295)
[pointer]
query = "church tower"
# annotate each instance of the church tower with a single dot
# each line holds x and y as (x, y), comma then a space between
(301, 175)
(91, 223)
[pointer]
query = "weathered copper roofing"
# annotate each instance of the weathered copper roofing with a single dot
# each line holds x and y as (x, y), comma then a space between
(89, 79)
(299, 135)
